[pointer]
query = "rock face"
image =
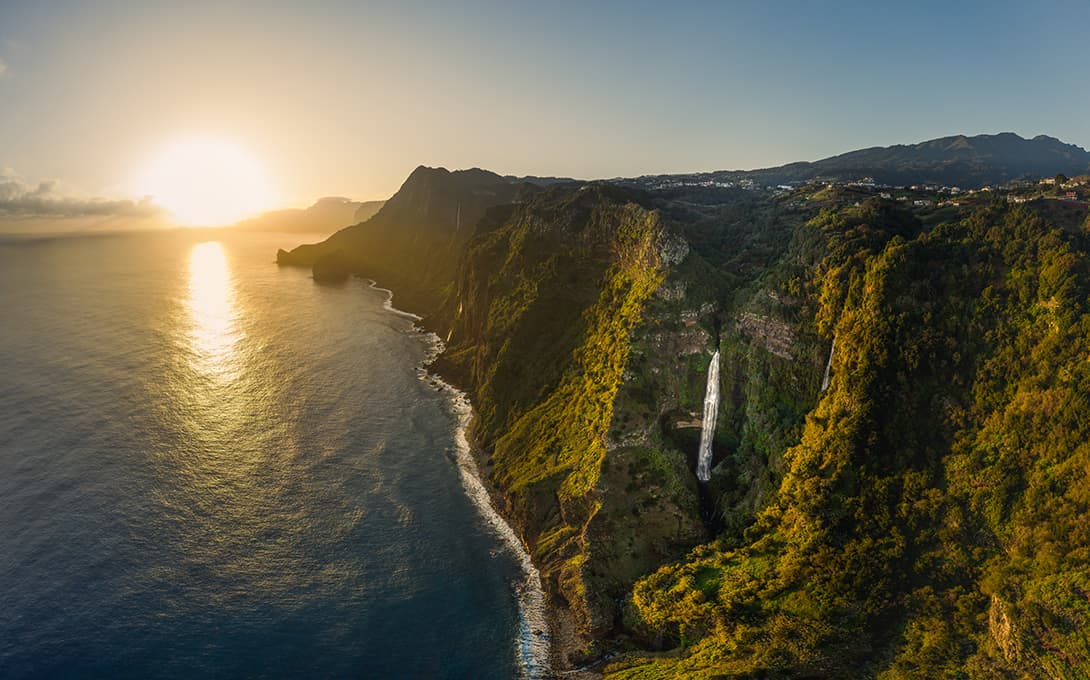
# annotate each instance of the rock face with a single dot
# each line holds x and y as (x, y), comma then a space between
(774, 335)
(550, 295)
(413, 243)
(581, 325)
(925, 512)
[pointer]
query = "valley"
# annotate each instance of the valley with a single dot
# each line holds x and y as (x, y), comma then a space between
(910, 502)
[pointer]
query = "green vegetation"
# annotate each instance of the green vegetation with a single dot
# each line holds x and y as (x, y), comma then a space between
(412, 243)
(932, 519)
(541, 335)
(926, 516)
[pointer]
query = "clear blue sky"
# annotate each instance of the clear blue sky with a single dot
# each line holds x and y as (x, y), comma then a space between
(347, 97)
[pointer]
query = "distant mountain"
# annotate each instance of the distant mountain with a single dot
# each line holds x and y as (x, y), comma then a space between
(898, 453)
(968, 162)
(327, 215)
(366, 210)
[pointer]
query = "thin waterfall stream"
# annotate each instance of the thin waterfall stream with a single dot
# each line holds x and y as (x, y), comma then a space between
(828, 366)
(711, 412)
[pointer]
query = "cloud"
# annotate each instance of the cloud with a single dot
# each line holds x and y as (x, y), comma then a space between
(49, 199)
(3, 68)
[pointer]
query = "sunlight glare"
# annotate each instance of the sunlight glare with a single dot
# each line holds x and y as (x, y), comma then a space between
(205, 181)
(212, 309)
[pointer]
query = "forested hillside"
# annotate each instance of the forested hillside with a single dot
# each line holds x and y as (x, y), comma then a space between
(922, 514)
(931, 518)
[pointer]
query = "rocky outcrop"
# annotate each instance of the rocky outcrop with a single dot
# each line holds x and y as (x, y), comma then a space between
(879, 526)
(775, 336)
(413, 243)
(551, 295)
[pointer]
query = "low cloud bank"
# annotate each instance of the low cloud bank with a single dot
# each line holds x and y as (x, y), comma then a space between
(49, 207)
(49, 199)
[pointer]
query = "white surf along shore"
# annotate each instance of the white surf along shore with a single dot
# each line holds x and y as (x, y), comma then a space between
(533, 641)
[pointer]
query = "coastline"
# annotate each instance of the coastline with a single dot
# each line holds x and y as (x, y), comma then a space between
(534, 642)
(388, 305)
(559, 639)
(552, 628)
(546, 632)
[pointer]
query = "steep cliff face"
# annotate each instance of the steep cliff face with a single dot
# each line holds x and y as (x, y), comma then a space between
(582, 324)
(922, 514)
(413, 243)
(547, 305)
(930, 519)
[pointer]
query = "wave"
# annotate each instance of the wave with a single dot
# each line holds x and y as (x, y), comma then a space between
(533, 643)
(388, 305)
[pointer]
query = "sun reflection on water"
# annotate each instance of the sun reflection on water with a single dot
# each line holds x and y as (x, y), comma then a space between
(214, 331)
(227, 480)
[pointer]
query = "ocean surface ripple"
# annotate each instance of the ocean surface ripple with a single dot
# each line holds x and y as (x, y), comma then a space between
(213, 467)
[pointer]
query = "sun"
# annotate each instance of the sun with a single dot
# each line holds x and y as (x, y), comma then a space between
(205, 182)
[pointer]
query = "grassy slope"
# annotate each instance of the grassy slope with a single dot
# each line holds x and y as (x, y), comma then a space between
(931, 521)
(924, 517)
(550, 295)
(579, 360)
(412, 245)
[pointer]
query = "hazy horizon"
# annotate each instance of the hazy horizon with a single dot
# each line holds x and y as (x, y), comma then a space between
(587, 340)
(340, 99)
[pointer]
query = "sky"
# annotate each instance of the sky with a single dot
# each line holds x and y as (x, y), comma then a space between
(346, 98)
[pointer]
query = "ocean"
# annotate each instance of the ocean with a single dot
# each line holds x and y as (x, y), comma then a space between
(213, 467)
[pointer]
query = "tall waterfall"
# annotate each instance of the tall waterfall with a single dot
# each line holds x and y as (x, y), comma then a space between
(828, 366)
(711, 412)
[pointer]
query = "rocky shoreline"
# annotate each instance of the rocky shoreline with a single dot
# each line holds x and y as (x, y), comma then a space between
(563, 638)
(560, 640)
(562, 635)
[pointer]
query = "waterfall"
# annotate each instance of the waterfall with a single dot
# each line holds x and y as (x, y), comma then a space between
(711, 412)
(828, 366)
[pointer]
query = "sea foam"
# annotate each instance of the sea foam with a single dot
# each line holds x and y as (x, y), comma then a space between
(533, 641)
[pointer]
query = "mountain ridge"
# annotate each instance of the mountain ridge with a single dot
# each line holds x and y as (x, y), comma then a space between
(327, 214)
(413, 242)
(845, 531)
(957, 160)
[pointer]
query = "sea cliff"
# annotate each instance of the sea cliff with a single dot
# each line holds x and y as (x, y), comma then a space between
(886, 522)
